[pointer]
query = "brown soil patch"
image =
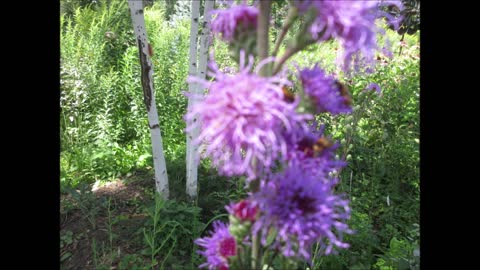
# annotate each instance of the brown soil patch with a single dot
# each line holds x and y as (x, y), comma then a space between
(85, 222)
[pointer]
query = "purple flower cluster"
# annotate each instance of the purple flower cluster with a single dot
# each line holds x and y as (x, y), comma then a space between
(218, 247)
(326, 93)
(350, 22)
(242, 118)
(303, 211)
(233, 20)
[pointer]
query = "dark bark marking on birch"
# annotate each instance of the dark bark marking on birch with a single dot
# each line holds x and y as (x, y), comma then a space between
(155, 126)
(145, 69)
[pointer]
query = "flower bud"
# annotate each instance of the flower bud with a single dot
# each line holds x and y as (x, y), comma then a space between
(242, 215)
(244, 210)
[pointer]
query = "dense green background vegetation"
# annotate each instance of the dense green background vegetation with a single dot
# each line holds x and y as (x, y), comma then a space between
(105, 138)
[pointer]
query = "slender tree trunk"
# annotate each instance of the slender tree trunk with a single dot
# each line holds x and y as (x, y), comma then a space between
(205, 40)
(191, 188)
(145, 51)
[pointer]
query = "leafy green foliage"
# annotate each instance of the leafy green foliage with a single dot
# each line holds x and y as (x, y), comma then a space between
(169, 226)
(103, 120)
(401, 255)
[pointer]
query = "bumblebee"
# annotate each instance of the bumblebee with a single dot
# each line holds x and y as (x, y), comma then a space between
(314, 148)
(321, 144)
(288, 96)
(344, 92)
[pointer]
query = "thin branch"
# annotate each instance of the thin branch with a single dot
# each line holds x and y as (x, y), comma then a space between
(291, 17)
(289, 53)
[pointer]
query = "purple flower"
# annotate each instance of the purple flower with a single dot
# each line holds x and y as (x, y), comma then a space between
(303, 211)
(315, 153)
(303, 5)
(218, 247)
(327, 94)
(242, 120)
(352, 23)
(374, 86)
(236, 19)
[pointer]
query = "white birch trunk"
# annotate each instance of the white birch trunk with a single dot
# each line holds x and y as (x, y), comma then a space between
(161, 177)
(191, 186)
(192, 151)
(205, 41)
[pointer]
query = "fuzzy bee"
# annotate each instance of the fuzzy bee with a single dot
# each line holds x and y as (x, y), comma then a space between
(321, 144)
(288, 96)
(313, 148)
(344, 92)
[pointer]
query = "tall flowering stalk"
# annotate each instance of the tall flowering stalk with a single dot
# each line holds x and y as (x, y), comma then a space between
(252, 125)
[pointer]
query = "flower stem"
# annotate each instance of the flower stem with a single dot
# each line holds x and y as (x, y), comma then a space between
(254, 187)
(262, 34)
(289, 53)
(302, 40)
(291, 17)
(262, 50)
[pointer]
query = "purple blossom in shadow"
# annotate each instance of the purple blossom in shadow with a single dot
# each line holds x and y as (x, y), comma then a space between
(353, 24)
(243, 118)
(236, 18)
(326, 92)
(302, 211)
(218, 247)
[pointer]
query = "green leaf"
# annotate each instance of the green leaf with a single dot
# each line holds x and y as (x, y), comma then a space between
(65, 256)
(272, 233)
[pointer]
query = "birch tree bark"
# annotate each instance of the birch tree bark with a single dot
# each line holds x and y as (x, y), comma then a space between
(195, 89)
(145, 52)
(191, 187)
